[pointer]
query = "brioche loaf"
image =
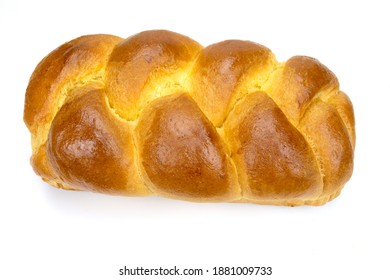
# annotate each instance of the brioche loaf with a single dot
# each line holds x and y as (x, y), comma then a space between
(158, 114)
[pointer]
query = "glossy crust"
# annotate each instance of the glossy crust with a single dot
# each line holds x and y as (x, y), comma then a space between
(158, 114)
(181, 152)
(270, 152)
(90, 148)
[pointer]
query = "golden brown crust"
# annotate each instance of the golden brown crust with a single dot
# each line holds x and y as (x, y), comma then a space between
(70, 62)
(157, 114)
(142, 63)
(41, 166)
(91, 149)
(225, 72)
(269, 153)
(298, 83)
(329, 137)
(181, 152)
(341, 102)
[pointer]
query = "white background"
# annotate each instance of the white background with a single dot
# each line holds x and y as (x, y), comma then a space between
(46, 233)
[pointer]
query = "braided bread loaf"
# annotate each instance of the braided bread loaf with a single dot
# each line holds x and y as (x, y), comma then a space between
(158, 114)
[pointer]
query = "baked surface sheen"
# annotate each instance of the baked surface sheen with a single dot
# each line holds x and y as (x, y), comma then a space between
(158, 114)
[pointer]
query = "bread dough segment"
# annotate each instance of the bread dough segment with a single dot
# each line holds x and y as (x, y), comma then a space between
(225, 72)
(89, 148)
(182, 154)
(274, 161)
(329, 137)
(72, 65)
(298, 83)
(145, 66)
